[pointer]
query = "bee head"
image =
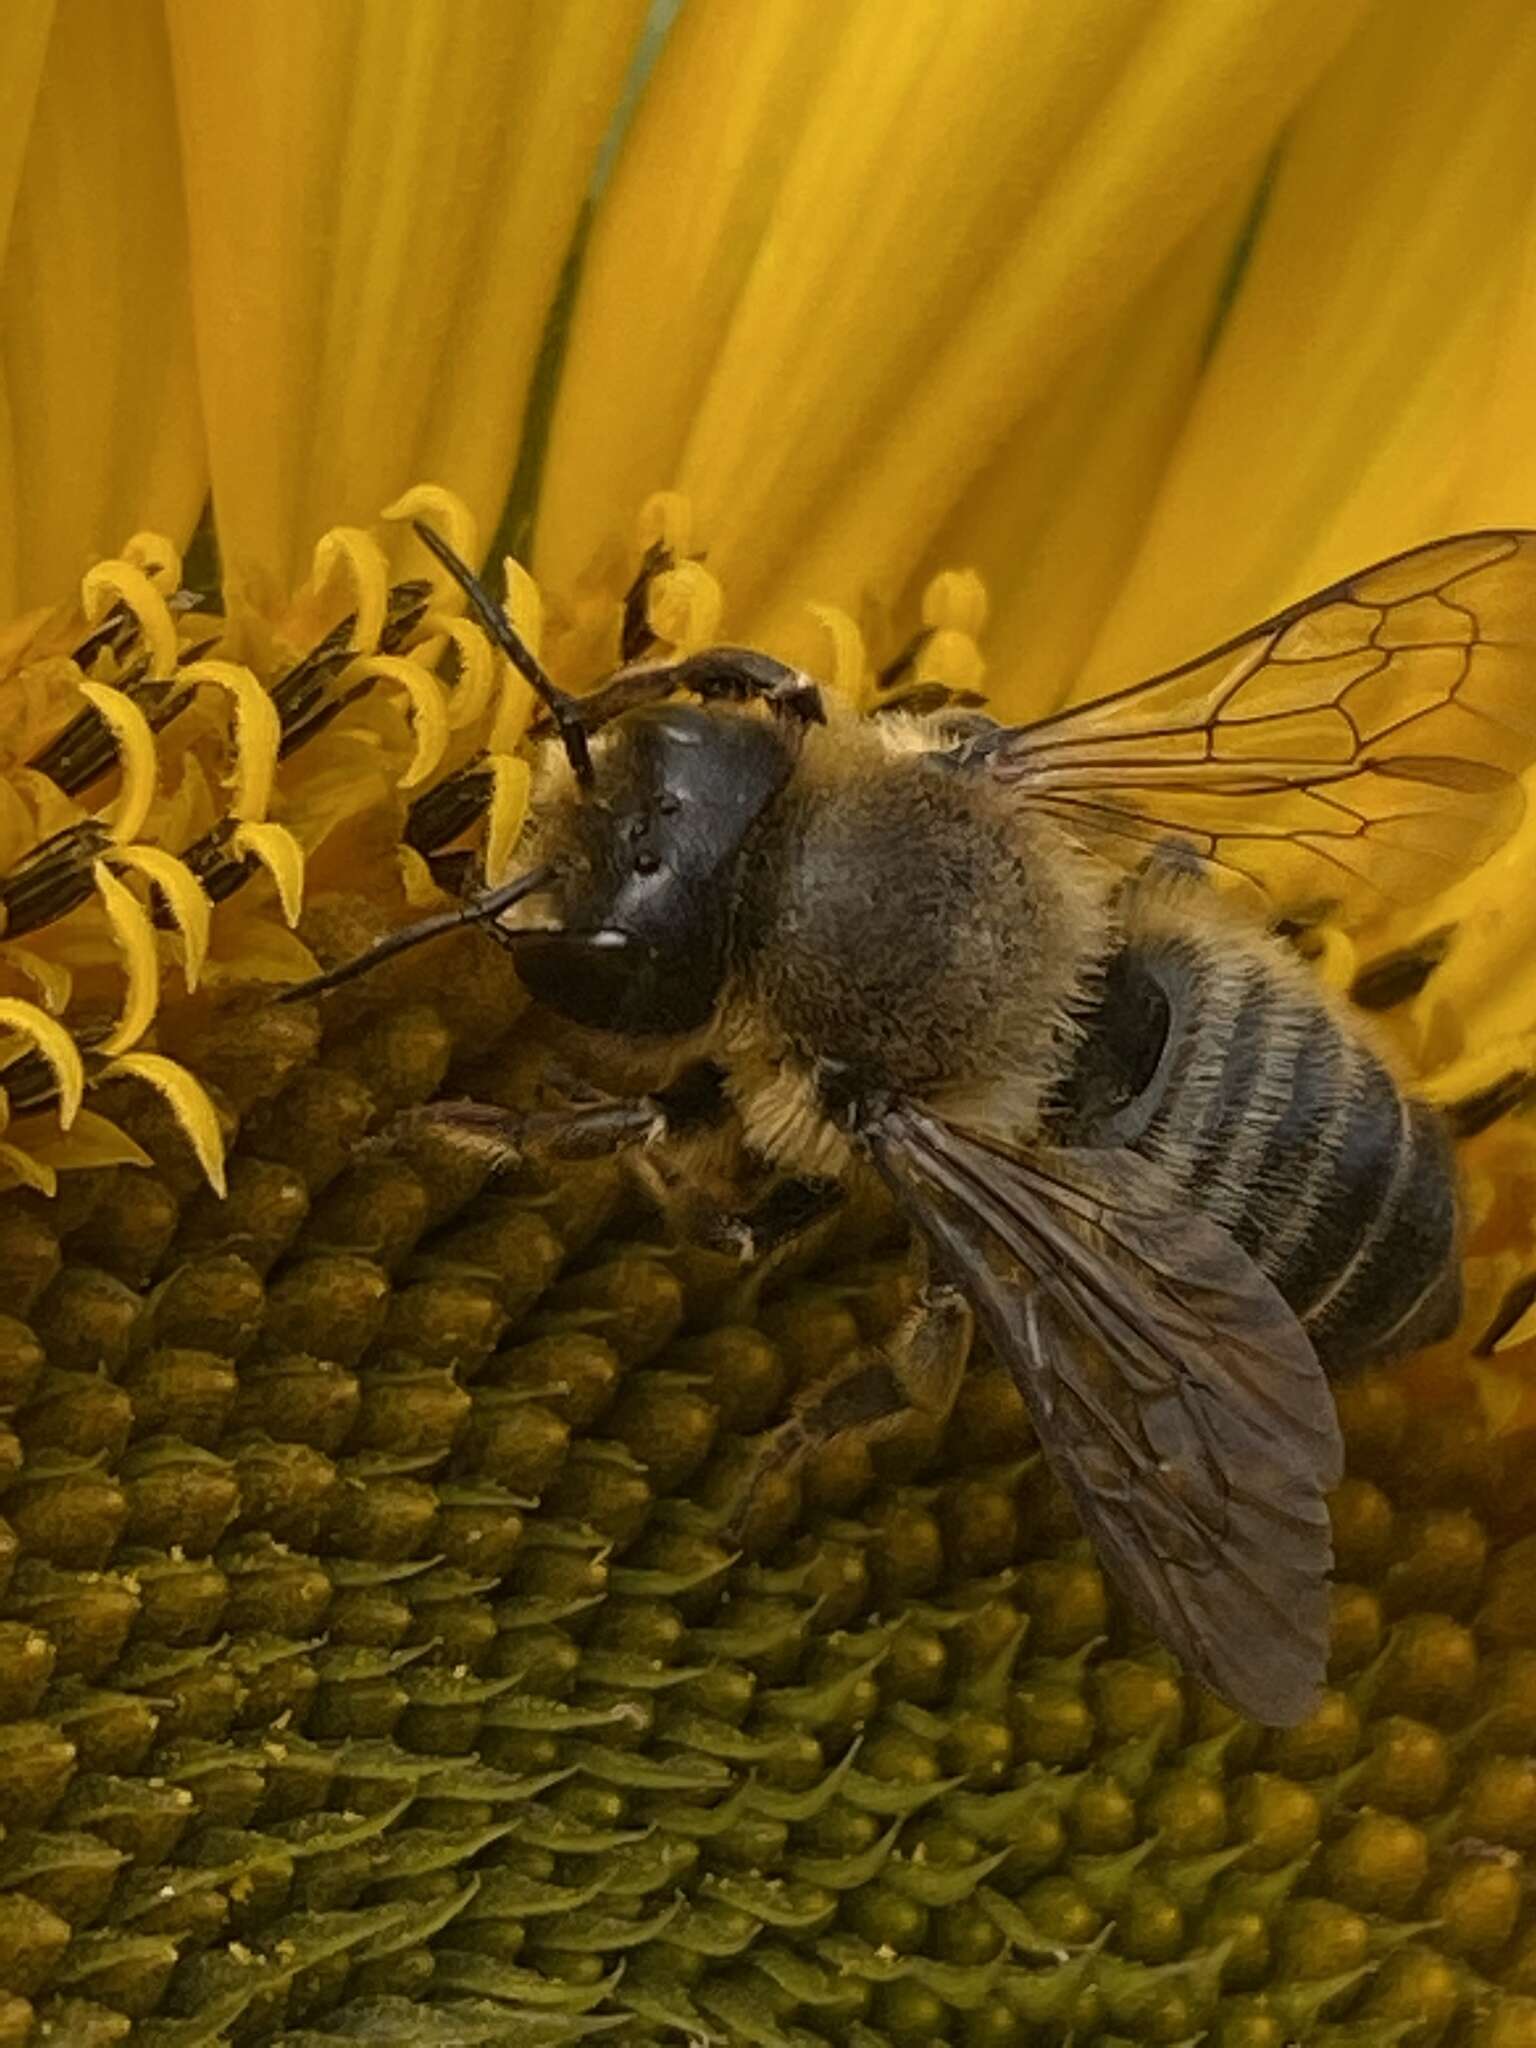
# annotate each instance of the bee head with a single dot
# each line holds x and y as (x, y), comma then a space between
(646, 859)
(636, 865)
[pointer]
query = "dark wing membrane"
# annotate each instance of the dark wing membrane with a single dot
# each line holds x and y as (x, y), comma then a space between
(1173, 1391)
(1360, 749)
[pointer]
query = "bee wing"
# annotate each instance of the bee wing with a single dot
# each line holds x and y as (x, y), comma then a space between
(1173, 1391)
(1360, 749)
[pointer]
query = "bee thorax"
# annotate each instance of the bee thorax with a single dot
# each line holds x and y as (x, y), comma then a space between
(900, 932)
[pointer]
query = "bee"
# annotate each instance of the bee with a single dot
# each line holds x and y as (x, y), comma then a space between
(992, 970)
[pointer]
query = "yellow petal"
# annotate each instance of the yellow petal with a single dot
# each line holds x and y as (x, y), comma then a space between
(56, 1046)
(103, 432)
(1361, 397)
(1054, 522)
(189, 1101)
(844, 315)
(380, 199)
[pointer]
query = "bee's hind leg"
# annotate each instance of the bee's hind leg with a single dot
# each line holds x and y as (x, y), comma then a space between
(917, 1368)
(594, 1127)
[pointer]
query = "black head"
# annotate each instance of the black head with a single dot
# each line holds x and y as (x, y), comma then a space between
(646, 868)
(643, 866)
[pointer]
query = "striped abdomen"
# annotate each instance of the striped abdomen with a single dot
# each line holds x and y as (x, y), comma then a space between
(1219, 1062)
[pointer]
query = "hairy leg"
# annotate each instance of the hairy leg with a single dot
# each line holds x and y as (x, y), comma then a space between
(918, 1367)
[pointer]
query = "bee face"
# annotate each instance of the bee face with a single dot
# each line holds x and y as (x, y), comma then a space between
(646, 862)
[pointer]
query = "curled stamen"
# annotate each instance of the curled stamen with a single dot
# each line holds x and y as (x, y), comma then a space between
(120, 582)
(954, 616)
(446, 514)
(684, 606)
(136, 750)
(275, 847)
(429, 706)
(51, 978)
(190, 907)
(189, 1102)
(666, 520)
(850, 666)
(470, 698)
(54, 1045)
(135, 937)
(524, 606)
(258, 733)
(509, 808)
(354, 553)
(159, 558)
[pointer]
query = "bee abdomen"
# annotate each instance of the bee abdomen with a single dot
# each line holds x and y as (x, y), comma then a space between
(1245, 1090)
(1375, 1271)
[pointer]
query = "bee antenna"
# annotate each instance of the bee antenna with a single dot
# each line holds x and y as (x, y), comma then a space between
(479, 910)
(563, 708)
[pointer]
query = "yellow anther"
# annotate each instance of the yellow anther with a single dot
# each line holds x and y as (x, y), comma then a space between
(55, 1045)
(850, 666)
(470, 697)
(135, 751)
(667, 517)
(135, 937)
(956, 601)
(159, 558)
(447, 514)
(258, 732)
(429, 706)
(185, 896)
(684, 606)
(353, 554)
(52, 979)
(120, 582)
(282, 857)
(189, 1103)
(510, 784)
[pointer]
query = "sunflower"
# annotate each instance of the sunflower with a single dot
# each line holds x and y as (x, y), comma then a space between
(372, 1663)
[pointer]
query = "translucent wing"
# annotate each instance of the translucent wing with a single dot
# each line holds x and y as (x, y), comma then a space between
(1360, 749)
(1173, 1391)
